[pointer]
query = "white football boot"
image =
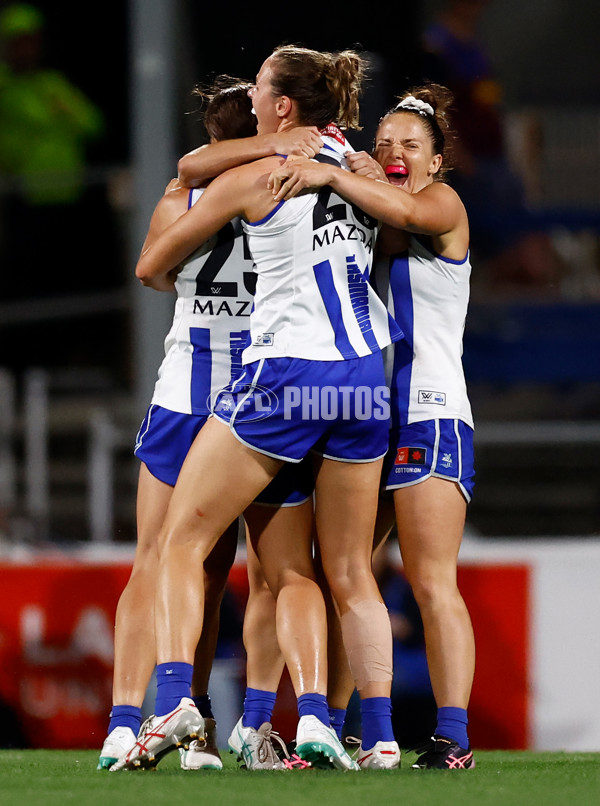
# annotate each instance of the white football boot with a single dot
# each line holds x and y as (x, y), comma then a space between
(319, 745)
(160, 735)
(118, 742)
(255, 747)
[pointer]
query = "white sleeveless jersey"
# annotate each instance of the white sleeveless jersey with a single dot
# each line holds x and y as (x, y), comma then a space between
(313, 257)
(203, 349)
(428, 297)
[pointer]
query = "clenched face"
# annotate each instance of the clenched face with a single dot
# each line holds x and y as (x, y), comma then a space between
(404, 150)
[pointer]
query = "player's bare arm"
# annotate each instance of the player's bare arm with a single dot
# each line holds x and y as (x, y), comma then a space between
(435, 210)
(208, 161)
(238, 192)
(170, 207)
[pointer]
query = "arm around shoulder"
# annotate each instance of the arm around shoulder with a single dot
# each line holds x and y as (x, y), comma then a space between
(208, 161)
(219, 203)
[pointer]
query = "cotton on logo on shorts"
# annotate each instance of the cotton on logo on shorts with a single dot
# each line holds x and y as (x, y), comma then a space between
(256, 403)
(410, 456)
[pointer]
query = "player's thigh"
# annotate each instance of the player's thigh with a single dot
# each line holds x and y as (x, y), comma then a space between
(430, 518)
(153, 498)
(219, 478)
(346, 500)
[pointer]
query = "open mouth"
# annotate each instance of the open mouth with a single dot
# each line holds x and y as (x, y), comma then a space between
(396, 174)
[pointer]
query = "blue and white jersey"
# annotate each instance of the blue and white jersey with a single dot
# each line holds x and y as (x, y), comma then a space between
(428, 297)
(313, 257)
(203, 349)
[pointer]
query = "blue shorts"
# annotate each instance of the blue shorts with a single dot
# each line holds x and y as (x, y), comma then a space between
(441, 448)
(285, 407)
(165, 438)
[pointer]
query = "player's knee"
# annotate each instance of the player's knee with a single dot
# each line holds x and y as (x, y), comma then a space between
(349, 584)
(431, 590)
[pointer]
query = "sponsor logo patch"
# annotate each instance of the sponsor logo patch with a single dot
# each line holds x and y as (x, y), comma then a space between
(410, 456)
(264, 340)
(427, 396)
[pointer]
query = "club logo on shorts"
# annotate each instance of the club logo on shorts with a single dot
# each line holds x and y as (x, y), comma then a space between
(411, 456)
(426, 396)
(446, 460)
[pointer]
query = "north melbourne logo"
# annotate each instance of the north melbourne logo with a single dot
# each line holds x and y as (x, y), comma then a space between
(447, 460)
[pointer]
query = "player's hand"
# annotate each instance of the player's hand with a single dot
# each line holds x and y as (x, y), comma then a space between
(301, 141)
(363, 164)
(295, 176)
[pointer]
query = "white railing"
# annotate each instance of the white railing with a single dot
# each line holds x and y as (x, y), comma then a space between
(29, 418)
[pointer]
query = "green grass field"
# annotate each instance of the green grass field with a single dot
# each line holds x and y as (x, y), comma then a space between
(56, 778)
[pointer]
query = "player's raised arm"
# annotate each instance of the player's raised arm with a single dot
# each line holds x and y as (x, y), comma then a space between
(208, 161)
(238, 192)
(163, 253)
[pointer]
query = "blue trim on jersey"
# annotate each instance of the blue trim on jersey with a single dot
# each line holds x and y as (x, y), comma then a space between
(425, 243)
(403, 350)
(267, 217)
(454, 262)
(333, 305)
(190, 203)
(201, 370)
